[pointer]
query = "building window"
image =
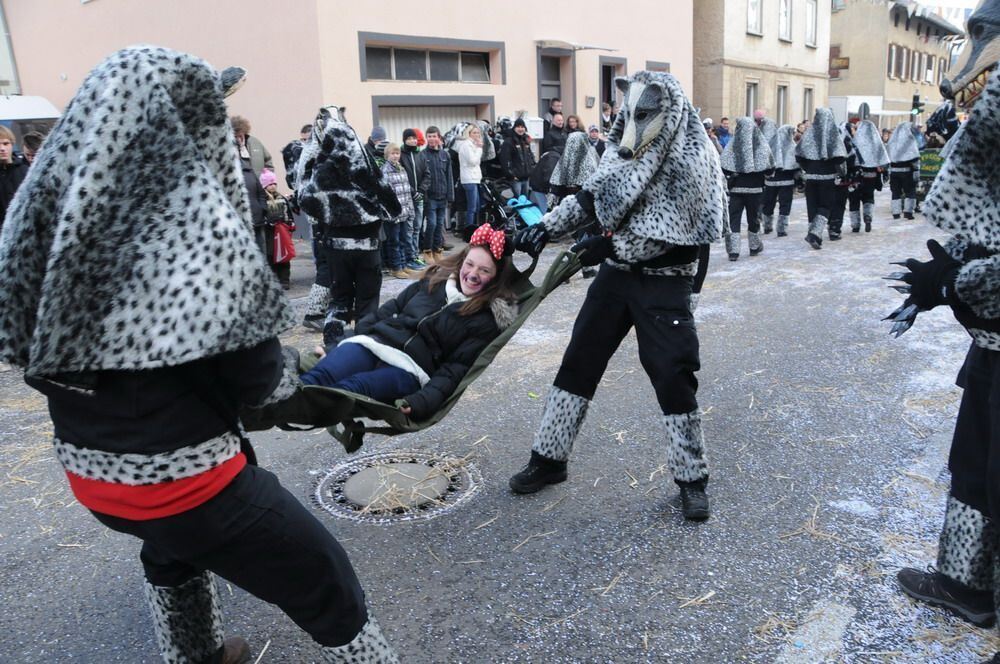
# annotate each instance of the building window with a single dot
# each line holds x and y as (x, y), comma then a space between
(807, 103)
(751, 98)
(785, 20)
(782, 111)
(929, 69)
(406, 64)
(904, 64)
(890, 69)
(811, 17)
(755, 17)
(940, 70)
(916, 66)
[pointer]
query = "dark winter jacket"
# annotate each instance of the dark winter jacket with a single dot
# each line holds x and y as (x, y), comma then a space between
(11, 176)
(599, 146)
(745, 183)
(822, 169)
(539, 180)
(555, 139)
(442, 341)
(394, 176)
(516, 157)
(414, 163)
(438, 182)
(258, 197)
(290, 156)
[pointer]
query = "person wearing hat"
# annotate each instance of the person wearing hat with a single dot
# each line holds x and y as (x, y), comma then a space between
(516, 158)
(278, 210)
(414, 162)
(376, 145)
(710, 130)
(594, 134)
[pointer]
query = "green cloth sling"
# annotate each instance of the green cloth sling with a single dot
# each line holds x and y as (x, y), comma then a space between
(341, 412)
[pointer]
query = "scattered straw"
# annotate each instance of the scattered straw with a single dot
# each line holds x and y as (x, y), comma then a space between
(531, 537)
(262, 651)
(697, 601)
(486, 523)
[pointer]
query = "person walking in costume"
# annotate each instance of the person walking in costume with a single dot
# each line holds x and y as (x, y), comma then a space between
(779, 187)
(147, 333)
(872, 160)
(904, 170)
(660, 194)
(821, 154)
(341, 188)
(963, 274)
(844, 184)
(768, 130)
(746, 160)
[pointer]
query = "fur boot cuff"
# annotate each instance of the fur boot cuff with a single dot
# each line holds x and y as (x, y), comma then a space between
(187, 620)
(967, 546)
(368, 647)
(686, 447)
(561, 421)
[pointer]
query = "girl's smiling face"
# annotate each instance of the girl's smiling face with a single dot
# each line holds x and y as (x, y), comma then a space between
(476, 271)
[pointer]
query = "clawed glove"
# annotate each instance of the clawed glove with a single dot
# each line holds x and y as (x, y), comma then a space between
(532, 239)
(932, 283)
(593, 250)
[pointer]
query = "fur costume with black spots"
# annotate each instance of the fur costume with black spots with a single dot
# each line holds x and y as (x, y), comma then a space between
(962, 202)
(822, 155)
(660, 193)
(137, 302)
(904, 169)
(779, 187)
(746, 161)
(872, 159)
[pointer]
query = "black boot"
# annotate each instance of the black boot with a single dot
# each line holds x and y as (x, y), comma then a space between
(814, 241)
(734, 257)
(993, 660)
(314, 322)
(934, 588)
(539, 473)
(694, 501)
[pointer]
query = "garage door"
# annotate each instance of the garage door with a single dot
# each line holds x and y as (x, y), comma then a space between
(397, 118)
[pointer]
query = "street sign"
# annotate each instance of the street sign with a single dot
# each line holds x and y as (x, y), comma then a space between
(840, 63)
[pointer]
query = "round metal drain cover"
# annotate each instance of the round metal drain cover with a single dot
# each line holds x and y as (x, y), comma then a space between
(390, 487)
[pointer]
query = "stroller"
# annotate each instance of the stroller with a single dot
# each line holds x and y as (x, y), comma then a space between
(502, 213)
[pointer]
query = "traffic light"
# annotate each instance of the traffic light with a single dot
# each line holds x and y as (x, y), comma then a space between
(918, 106)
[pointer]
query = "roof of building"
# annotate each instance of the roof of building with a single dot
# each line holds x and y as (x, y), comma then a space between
(928, 14)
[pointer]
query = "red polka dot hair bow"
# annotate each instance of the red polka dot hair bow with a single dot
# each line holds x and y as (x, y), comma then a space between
(485, 236)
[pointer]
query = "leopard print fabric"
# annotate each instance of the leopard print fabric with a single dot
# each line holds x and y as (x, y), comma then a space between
(561, 421)
(747, 151)
(967, 546)
(368, 647)
(686, 457)
(128, 245)
(187, 620)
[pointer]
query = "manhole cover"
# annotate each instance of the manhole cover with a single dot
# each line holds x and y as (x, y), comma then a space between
(397, 486)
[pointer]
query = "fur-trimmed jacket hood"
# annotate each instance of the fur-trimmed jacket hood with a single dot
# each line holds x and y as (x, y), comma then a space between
(783, 148)
(578, 162)
(673, 190)
(129, 246)
(747, 151)
(869, 146)
(823, 140)
(902, 145)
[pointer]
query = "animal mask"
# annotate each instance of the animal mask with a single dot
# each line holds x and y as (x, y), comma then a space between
(979, 57)
(645, 111)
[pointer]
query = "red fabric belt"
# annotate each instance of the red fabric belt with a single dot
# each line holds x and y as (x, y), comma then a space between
(154, 501)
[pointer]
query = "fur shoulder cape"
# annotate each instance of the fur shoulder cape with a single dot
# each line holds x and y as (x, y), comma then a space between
(674, 191)
(129, 246)
(769, 129)
(902, 145)
(747, 151)
(578, 162)
(339, 183)
(783, 148)
(868, 145)
(963, 199)
(822, 141)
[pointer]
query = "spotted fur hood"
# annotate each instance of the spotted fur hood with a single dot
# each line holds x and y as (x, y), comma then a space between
(768, 129)
(674, 191)
(963, 199)
(129, 245)
(869, 146)
(578, 162)
(783, 148)
(747, 151)
(902, 145)
(339, 182)
(822, 141)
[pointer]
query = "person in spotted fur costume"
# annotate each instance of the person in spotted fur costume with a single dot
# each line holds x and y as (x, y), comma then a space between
(659, 198)
(746, 161)
(964, 274)
(136, 300)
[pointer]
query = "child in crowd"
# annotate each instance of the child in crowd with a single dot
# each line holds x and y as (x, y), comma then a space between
(398, 250)
(279, 217)
(418, 346)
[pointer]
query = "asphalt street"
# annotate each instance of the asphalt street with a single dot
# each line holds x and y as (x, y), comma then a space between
(827, 442)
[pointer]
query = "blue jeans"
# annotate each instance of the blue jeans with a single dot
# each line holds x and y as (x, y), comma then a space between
(433, 237)
(417, 228)
(471, 203)
(519, 187)
(354, 368)
(394, 237)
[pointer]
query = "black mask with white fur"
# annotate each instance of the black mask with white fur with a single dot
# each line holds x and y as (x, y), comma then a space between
(129, 246)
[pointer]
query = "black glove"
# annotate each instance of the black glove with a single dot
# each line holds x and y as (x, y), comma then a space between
(592, 250)
(532, 239)
(932, 283)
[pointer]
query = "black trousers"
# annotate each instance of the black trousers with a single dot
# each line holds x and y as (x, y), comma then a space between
(780, 195)
(863, 193)
(902, 185)
(357, 280)
(658, 308)
(836, 219)
(324, 275)
(256, 535)
(820, 197)
(974, 460)
(740, 202)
